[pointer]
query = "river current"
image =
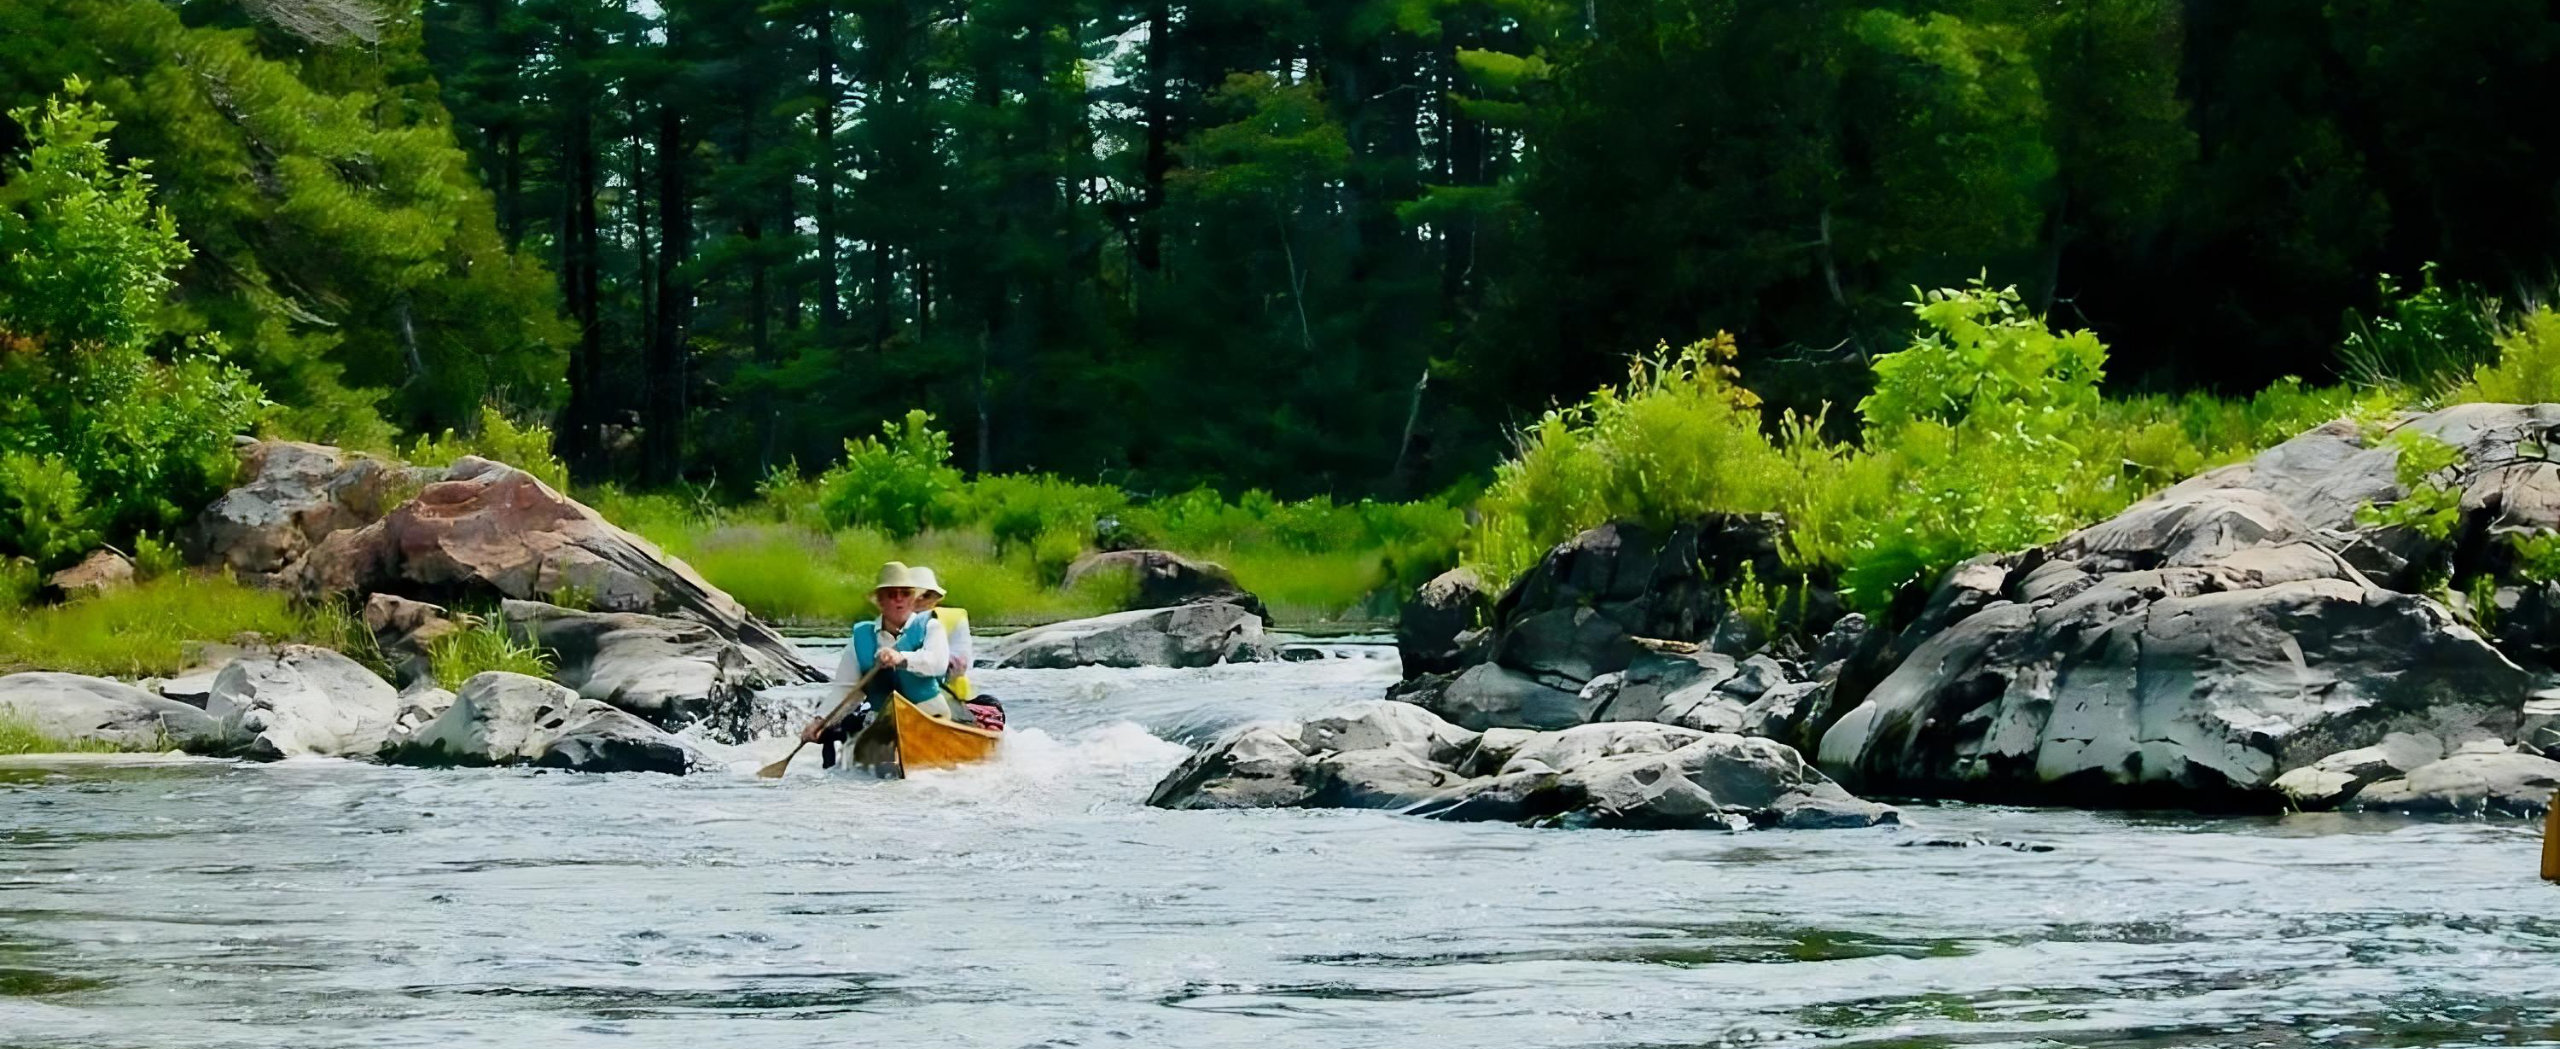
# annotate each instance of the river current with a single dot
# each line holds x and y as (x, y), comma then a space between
(1036, 901)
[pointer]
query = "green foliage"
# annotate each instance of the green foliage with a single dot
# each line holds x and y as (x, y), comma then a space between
(526, 447)
(19, 736)
(99, 438)
(900, 482)
(153, 558)
(19, 581)
(2425, 340)
(2527, 365)
(1987, 433)
(484, 645)
(2537, 555)
(151, 628)
(1681, 438)
(2431, 503)
(1766, 608)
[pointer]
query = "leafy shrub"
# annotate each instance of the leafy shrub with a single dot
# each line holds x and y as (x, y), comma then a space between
(99, 438)
(2527, 368)
(2537, 555)
(19, 581)
(153, 558)
(526, 447)
(2425, 339)
(2432, 505)
(1681, 438)
(900, 482)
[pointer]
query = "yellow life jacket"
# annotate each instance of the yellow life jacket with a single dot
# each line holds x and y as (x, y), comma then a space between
(956, 621)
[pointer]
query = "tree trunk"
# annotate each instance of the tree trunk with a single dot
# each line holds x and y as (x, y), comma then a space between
(663, 445)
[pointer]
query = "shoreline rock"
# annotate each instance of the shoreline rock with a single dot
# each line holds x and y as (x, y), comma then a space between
(670, 672)
(300, 701)
(1193, 635)
(1383, 754)
(498, 718)
(76, 708)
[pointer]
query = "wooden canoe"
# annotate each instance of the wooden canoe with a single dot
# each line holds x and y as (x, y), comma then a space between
(928, 742)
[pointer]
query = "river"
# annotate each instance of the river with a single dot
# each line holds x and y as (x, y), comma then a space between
(1037, 902)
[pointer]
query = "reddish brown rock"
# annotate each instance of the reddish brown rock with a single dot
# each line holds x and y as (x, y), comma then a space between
(404, 630)
(97, 573)
(490, 530)
(297, 495)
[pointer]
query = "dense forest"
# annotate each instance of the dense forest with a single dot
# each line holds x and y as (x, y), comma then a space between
(1334, 247)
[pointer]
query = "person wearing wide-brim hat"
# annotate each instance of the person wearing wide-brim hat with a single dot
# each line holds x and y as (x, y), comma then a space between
(955, 620)
(911, 662)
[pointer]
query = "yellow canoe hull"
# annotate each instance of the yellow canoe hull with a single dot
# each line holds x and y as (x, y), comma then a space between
(928, 742)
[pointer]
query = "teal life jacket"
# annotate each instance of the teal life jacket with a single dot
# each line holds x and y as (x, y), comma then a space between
(919, 689)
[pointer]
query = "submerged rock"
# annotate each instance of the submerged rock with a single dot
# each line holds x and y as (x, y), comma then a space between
(74, 708)
(1196, 635)
(500, 718)
(302, 701)
(1391, 755)
(2504, 784)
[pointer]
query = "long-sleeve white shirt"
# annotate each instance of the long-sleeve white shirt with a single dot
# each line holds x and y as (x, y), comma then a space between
(932, 660)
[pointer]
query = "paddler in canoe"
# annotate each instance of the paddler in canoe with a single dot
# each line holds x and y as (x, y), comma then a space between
(909, 716)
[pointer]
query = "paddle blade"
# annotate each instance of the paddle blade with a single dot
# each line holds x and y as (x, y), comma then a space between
(775, 770)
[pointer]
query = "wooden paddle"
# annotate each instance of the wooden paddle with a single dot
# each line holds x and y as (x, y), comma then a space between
(851, 697)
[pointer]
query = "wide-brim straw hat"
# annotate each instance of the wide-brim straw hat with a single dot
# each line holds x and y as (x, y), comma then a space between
(925, 580)
(895, 575)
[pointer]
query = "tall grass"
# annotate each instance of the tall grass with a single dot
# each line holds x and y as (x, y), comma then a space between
(151, 628)
(483, 646)
(18, 736)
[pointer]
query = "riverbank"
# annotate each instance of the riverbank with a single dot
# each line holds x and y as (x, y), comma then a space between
(1038, 899)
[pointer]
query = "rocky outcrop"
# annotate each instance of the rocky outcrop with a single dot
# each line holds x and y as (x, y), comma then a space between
(1164, 579)
(301, 701)
(296, 495)
(101, 571)
(2238, 640)
(1442, 629)
(1390, 755)
(1590, 609)
(1194, 635)
(72, 708)
(670, 672)
(485, 529)
(510, 719)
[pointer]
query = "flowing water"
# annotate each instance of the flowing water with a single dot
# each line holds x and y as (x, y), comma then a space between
(1037, 902)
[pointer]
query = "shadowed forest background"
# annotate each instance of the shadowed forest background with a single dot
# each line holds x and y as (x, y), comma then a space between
(1250, 250)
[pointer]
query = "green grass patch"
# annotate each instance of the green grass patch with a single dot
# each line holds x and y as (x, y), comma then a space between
(152, 628)
(484, 646)
(18, 736)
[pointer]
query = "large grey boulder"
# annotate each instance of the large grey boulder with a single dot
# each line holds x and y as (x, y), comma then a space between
(500, 718)
(296, 495)
(671, 672)
(1195, 635)
(1163, 579)
(302, 701)
(1438, 631)
(2479, 783)
(1389, 755)
(2237, 629)
(74, 708)
(1574, 631)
